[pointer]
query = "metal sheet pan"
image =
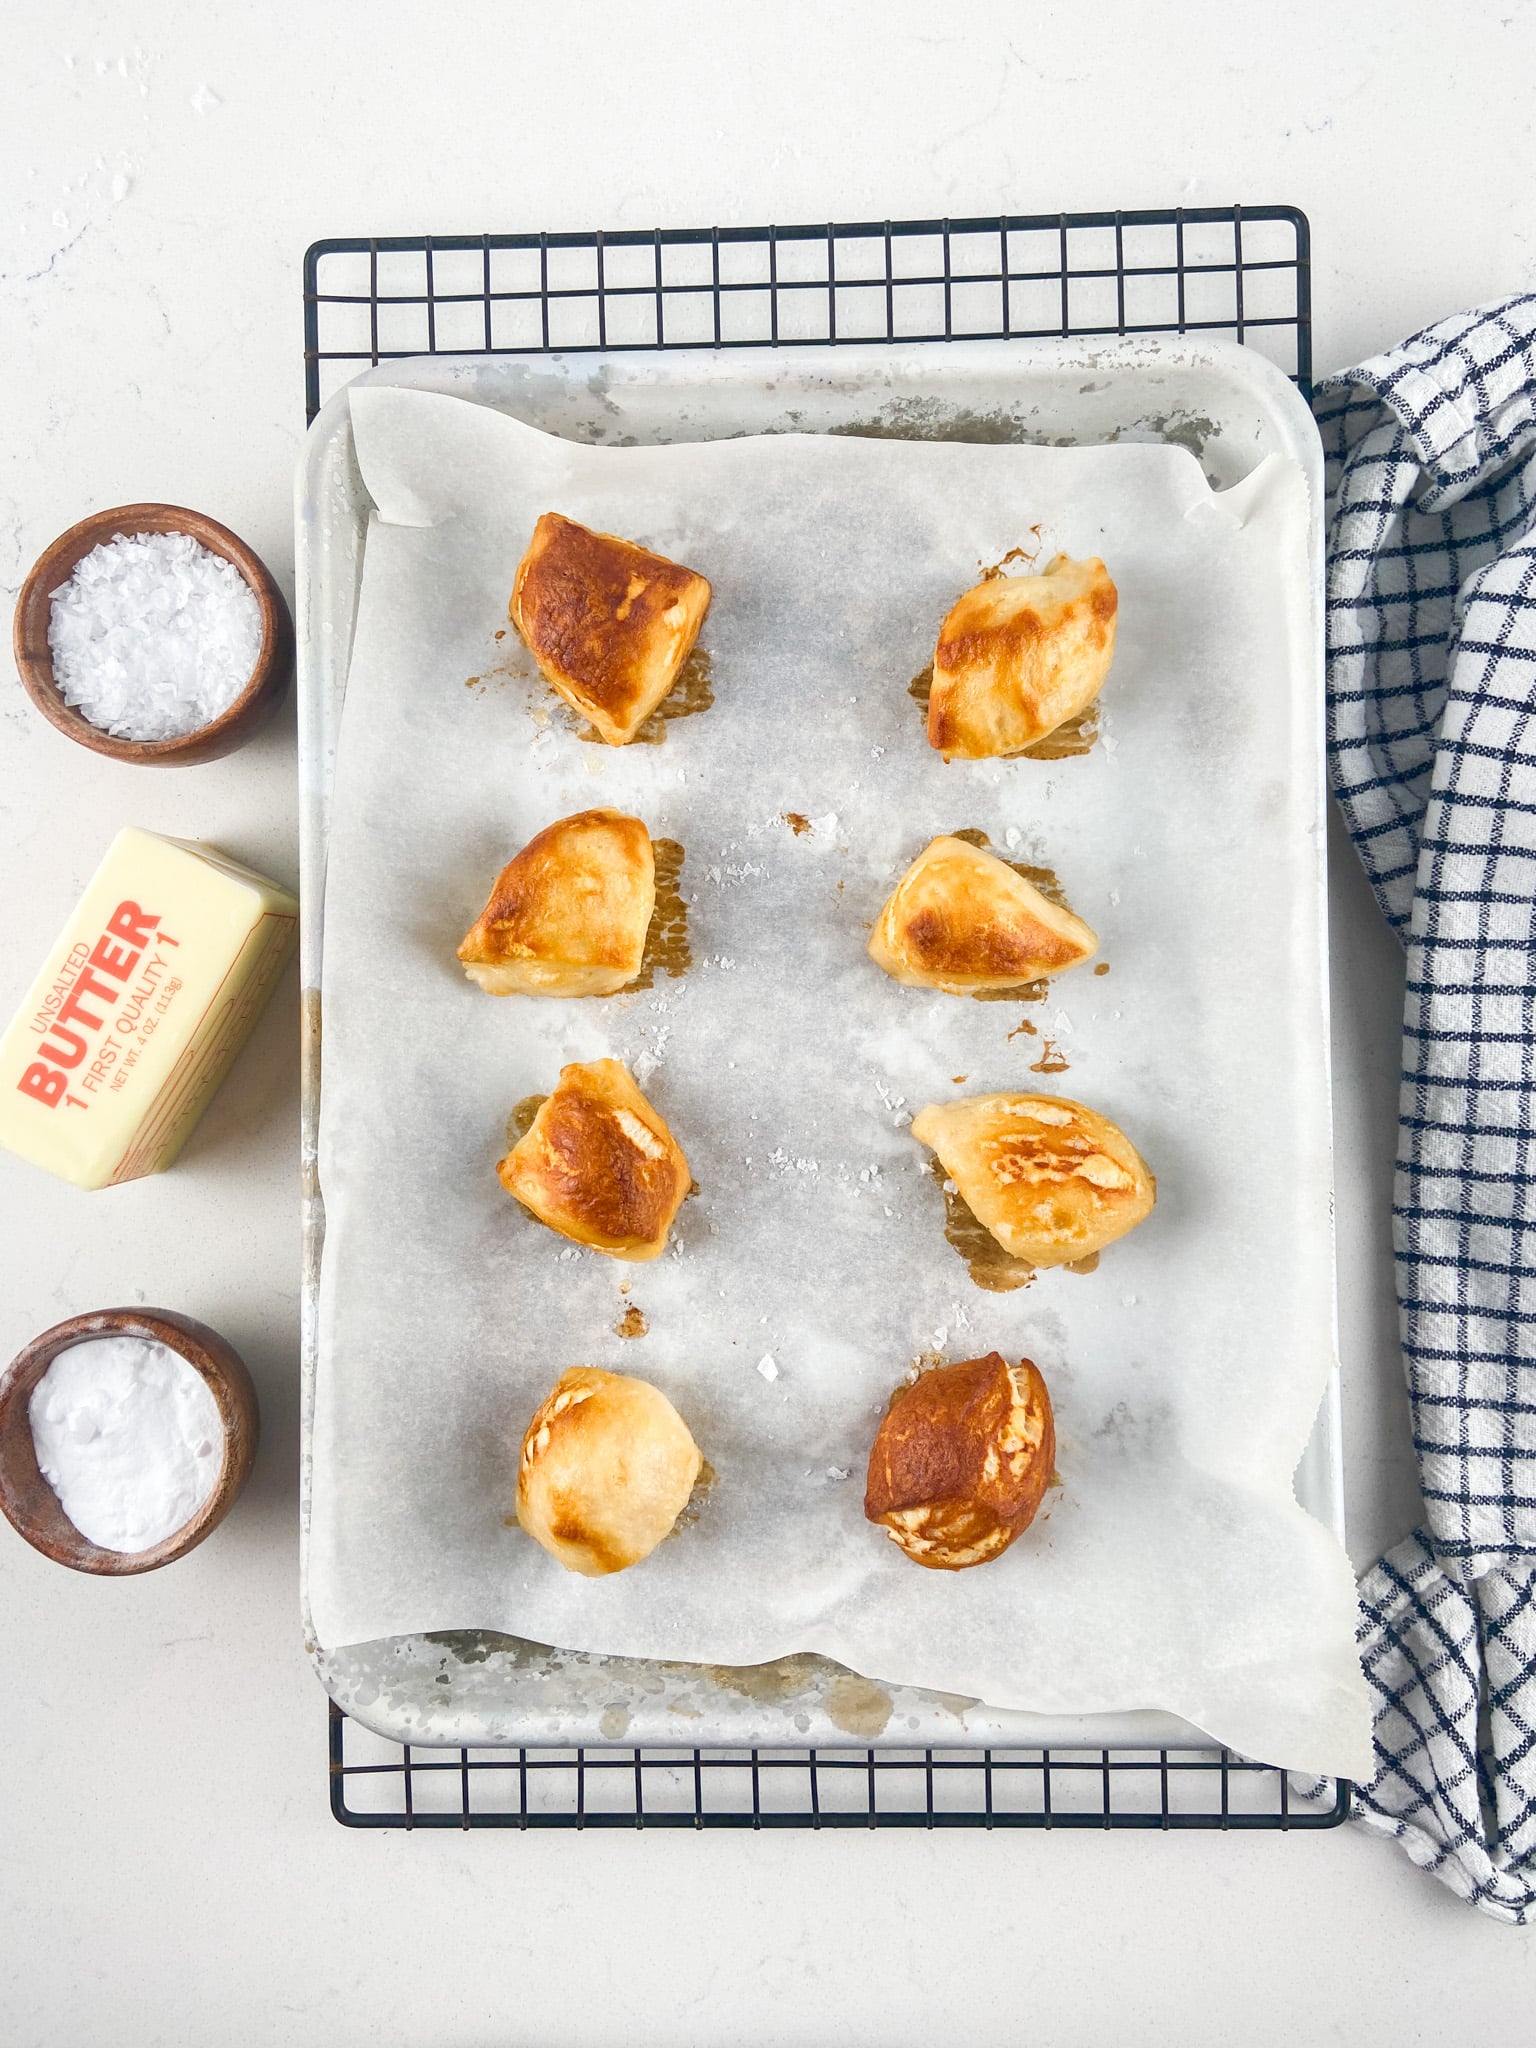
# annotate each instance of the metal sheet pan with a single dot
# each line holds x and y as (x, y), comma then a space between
(1230, 408)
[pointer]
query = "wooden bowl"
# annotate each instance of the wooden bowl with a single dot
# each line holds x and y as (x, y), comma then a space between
(30, 1504)
(232, 728)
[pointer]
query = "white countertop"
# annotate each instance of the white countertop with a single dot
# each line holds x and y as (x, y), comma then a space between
(169, 1872)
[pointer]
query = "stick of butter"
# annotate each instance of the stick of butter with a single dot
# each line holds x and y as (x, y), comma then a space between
(150, 992)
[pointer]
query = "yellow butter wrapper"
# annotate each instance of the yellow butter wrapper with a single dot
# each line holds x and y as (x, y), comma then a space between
(152, 989)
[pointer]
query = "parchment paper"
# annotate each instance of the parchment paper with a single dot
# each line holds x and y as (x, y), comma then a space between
(1172, 1568)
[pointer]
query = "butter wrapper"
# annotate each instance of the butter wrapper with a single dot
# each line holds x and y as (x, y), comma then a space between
(151, 990)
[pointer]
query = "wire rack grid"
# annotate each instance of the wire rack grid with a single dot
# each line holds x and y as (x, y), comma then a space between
(376, 1783)
(1238, 271)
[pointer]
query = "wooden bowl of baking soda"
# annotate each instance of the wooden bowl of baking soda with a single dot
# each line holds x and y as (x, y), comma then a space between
(125, 1437)
(153, 634)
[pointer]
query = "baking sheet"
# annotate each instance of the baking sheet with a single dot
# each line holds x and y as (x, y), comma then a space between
(1174, 1569)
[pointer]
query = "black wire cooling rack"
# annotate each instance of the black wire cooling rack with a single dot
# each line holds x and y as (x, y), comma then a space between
(1243, 271)
(377, 1783)
(1237, 271)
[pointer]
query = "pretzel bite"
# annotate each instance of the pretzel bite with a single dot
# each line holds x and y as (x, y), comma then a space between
(568, 915)
(609, 623)
(961, 1462)
(599, 1165)
(1018, 656)
(606, 1467)
(1051, 1179)
(962, 920)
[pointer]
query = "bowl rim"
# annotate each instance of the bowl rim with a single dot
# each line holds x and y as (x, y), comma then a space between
(35, 1511)
(53, 568)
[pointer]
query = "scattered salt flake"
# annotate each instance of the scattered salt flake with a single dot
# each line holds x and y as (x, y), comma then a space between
(766, 1366)
(122, 185)
(825, 826)
(839, 1472)
(1012, 837)
(204, 100)
(1063, 1023)
(1114, 895)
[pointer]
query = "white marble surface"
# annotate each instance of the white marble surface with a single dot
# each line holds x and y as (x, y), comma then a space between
(168, 1869)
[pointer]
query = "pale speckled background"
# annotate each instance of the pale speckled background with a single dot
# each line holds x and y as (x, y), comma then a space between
(167, 1862)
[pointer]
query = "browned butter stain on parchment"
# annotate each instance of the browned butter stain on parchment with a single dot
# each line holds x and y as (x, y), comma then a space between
(1050, 1060)
(508, 664)
(991, 1267)
(798, 823)
(857, 1705)
(694, 1504)
(767, 1683)
(1102, 968)
(666, 937)
(1090, 1264)
(1028, 556)
(1075, 735)
(1021, 992)
(310, 1011)
(632, 1323)
(693, 692)
(520, 1122)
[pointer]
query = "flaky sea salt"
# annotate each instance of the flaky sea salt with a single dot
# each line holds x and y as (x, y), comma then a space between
(128, 1435)
(153, 636)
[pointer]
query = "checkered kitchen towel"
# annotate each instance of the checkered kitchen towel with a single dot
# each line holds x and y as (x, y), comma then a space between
(1432, 707)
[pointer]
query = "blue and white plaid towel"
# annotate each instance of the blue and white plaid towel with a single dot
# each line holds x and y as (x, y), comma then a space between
(1432, 706)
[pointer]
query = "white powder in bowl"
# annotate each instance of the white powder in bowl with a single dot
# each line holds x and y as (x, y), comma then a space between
(128, 1435)
(153, 636)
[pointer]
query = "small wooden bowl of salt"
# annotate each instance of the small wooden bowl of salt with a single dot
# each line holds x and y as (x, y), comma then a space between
(125, 1437)
(153, 634)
